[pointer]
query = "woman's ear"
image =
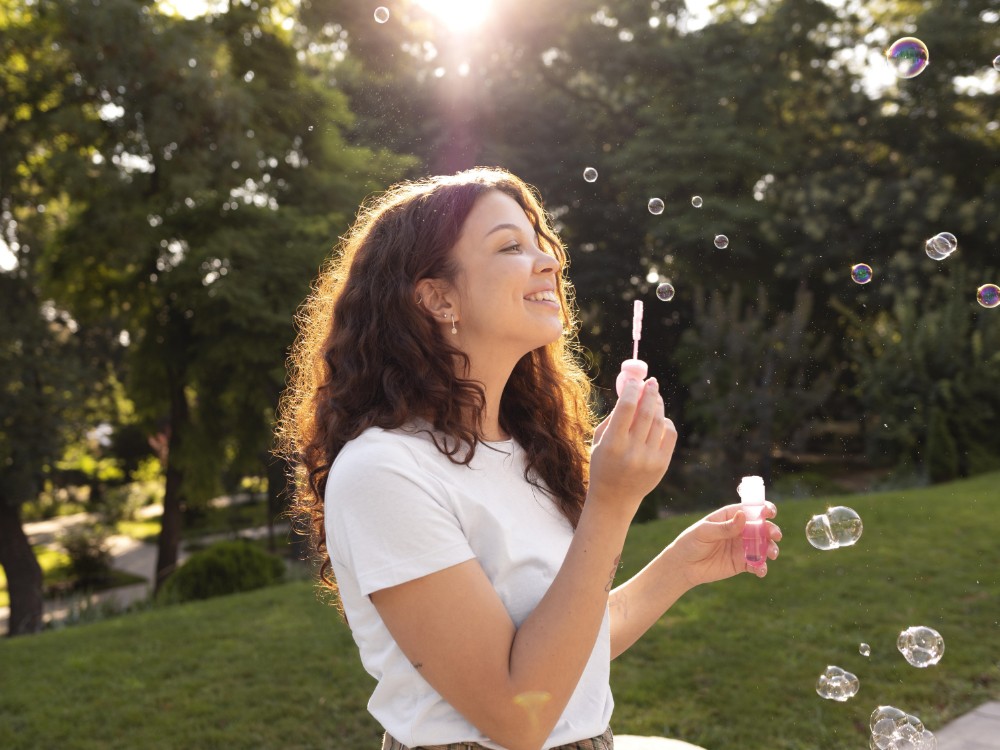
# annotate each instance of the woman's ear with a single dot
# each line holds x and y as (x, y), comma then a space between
(433, 296)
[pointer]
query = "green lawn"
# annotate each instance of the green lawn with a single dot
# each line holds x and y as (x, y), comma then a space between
(732, 666)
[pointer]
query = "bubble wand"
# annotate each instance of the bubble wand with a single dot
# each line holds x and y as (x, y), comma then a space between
(635, 367)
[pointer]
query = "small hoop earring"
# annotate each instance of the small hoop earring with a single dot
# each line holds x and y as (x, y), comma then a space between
(453, 329)
(419, 299)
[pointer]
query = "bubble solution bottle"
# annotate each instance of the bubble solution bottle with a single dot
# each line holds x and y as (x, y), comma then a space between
(755, 536)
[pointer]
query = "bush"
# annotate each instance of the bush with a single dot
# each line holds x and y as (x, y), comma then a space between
(224, 568)
(89, 556)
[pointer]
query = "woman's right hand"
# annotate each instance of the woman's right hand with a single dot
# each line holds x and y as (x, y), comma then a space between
(632, 447)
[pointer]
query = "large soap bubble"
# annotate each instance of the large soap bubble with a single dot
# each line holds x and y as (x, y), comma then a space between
(921, 646)
(861, 273)
(908, 57)
(838, 527)
(988, 295)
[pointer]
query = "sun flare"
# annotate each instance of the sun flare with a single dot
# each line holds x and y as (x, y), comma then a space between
(459, 15)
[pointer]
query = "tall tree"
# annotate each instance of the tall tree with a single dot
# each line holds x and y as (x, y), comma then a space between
(215, 185)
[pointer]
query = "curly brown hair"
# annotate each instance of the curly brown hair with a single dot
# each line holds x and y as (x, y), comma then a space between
(366, 355)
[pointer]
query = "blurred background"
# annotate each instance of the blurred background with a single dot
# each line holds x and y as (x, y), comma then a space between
(173, 174)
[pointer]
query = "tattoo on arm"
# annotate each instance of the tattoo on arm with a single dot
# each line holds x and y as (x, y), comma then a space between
(611, 578)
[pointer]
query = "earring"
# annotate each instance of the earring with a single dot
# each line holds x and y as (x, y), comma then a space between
(453, 329)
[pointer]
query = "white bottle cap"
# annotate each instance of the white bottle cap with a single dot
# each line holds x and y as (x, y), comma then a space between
(751, 491)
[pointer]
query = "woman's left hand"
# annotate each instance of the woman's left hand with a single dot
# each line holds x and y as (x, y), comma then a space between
(712, 548)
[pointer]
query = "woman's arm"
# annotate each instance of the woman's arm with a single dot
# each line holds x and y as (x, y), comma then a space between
(709, 550)
(456, 632)
(454, 629)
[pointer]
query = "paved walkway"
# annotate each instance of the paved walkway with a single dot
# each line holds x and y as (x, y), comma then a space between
(977, 730)
(129, 556)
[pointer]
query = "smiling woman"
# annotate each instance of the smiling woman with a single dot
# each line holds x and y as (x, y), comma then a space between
(459, 15)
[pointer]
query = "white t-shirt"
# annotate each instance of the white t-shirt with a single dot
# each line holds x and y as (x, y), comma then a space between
(398, 509)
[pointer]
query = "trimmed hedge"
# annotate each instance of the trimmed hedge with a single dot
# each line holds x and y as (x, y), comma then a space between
(223, 568)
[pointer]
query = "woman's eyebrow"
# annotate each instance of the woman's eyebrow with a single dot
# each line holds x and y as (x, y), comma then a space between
(500, 227)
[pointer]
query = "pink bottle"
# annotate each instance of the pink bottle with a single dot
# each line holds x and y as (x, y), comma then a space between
(635, 367)
(755, 536)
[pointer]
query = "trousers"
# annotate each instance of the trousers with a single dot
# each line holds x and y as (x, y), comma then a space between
(605, 742)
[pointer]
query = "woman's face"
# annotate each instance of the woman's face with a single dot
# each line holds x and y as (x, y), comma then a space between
(506, 287)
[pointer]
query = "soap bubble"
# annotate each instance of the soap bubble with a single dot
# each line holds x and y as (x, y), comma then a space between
(655, 206)
(941, 245)
(590, 174)
(381, 14)
(996, 62)
(665, 291)
(861, 273)
(988, 295)
(893, 729)
(865, 650)
(721, 241)
(908, 57)
(838, 527)
(696, 200)
(921, 646)
(836, 684)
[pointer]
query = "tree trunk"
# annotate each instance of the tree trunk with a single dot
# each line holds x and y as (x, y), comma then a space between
(24, 574)
(279, 492)
(170, 531)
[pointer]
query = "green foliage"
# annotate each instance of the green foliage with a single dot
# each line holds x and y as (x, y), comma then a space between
(223, 568)
(89, 554)
(927, 369)
(752, 378)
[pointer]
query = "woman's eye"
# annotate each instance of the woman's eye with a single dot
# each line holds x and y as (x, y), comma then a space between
(515, 247)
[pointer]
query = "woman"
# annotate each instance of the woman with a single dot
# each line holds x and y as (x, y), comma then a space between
(454, 483)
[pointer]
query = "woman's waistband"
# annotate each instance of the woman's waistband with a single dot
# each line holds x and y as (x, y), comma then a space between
(605, 742)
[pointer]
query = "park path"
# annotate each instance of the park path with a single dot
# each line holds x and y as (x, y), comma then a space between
(128, 555)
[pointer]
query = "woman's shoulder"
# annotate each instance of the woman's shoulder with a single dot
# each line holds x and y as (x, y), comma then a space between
(407, 445)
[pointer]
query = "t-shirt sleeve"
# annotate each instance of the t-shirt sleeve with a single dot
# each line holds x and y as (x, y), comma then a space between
(388, 520)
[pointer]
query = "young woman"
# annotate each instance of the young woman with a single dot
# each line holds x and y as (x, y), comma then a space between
(454, 481)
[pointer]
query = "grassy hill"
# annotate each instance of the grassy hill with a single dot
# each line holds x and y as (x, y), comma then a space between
(732, 665)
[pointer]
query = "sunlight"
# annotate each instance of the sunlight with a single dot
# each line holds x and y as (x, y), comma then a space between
(459, 15)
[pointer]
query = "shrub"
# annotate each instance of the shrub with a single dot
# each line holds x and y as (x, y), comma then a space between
(223, 568)
(89, 555)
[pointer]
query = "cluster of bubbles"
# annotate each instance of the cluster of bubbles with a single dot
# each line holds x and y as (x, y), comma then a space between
(381, 14)
(837, 684)
(590, 174)
(908, 57)
(941, 245)
(665, 291)
(861, 273)
(655, 206)
(893, 729)
(721, 241)
(921, 646)
(838, 527)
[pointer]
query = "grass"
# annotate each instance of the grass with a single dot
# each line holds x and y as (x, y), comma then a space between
(733, 665)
